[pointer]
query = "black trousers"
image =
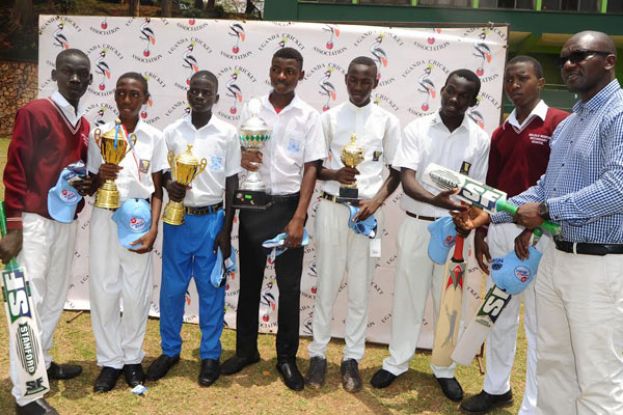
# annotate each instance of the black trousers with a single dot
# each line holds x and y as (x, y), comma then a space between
(254, 228)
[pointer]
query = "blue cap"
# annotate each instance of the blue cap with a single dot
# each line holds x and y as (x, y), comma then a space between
(512, 274)
(442, 238)
(366, 227)
(63, 198)
(276, 243)
(133, 220)
(218, 276)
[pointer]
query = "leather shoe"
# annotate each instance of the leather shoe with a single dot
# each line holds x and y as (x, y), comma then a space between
(210, 371)
(236, 363)
(316, 372)
(63, 372)
(382, 379)
(351, 380)
(451, 388)
(161, 366)
(291, 375)
(38, 407)
(134, 375)
(107, 379)
(485, 402)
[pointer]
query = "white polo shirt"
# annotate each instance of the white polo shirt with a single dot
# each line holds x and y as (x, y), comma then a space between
(217, 142)
(427, 140)
(377, 131)
(296, 139)
(149, 155)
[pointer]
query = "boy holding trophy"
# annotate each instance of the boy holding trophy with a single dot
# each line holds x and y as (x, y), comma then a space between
(205, 150)
(128, 158)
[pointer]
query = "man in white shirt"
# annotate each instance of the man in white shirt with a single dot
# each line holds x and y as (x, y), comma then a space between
(451, 139)
(189, 249)
(290, 163)
(339, 248)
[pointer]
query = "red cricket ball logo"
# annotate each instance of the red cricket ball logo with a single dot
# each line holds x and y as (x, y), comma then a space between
(431, 39)
(427, 86)
(234, 92)
(334, 33)
(237, 30)
(148, 35)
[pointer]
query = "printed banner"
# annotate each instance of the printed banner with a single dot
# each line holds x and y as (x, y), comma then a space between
(413, 65)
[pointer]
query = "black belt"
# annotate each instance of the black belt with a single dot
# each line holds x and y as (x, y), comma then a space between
(337, 199)
(422, 217)
(284, 198)
(588, 249)
(203, 210)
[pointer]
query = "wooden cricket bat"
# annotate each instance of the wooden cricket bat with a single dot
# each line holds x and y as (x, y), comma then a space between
(449, 317)
(23, 328)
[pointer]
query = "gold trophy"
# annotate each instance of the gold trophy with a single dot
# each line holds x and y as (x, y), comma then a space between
(113, 145)
(184, 168)
(352, 155)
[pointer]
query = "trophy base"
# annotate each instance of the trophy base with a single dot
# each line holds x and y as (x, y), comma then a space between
(349, 193)
(173, 213)
(107, 196)
(251, 199)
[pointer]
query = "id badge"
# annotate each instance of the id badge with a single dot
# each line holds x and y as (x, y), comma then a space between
(375, 248)
(143, 166)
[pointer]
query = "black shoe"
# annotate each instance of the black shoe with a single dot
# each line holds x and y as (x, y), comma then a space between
(38, 407)
(236, 363)
(485, 402)
(161, 366)
(451, 388)
(210, 371)
(134, 375)
(107, 379)
(382, 379)
(351, 380)
(63, 372)
(316, 372)
(291, 375)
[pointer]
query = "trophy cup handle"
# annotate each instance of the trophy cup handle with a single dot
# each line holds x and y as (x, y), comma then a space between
(132, 141)
(171, 160)
(202, 166)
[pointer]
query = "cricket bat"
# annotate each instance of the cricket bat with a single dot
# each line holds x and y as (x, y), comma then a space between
(449, 317)
(32, 377)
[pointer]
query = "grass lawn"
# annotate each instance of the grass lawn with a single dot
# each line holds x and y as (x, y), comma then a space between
(256, 390)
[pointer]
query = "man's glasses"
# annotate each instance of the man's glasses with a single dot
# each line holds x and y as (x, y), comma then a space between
(579, 55)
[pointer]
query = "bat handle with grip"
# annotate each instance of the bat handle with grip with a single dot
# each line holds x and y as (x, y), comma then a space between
(506, 206)
(3, 231)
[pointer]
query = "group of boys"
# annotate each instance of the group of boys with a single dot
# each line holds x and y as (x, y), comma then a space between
(306, 146)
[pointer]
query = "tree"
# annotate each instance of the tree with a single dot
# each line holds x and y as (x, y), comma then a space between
(134, 7)
(166, 8)
(22, 13)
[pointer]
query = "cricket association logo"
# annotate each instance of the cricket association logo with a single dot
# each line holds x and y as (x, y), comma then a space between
(522, 273)
(178, 110)
(190, 59)
(281, 40)
(325, 76)
(237, 80)
(378, 48)
(191, 25)
(59, 36)
(426, 86)
(104, 28)
(102, 85)
(475, 115)
(385, 101)
(327, 89)
(148, 35)
(427, 73)
(434, 40)
(99, 113)
(329, 49)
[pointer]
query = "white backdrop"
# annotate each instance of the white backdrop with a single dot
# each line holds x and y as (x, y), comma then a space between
(413, 65)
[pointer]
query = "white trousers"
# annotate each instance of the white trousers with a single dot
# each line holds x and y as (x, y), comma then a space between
(416, 276)
(341, 250)
(117, 275)
(47, 254)
(579, 304)
(501, 342)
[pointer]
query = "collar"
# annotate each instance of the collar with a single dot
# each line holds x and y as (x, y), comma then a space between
(599, 99)
(189, 121)
(295, 103)
(539, 111)
(436, 120)
(67, 108)
(352, 107)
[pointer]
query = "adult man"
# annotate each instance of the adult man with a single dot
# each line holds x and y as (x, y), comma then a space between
(517, 158)
(449, 138)
(290, 164)
(49, 134)
(339, 248)
(579, 288)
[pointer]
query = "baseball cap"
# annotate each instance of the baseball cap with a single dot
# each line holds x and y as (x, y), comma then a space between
(365, 227)
(133, 220)
(63, 198)
(221, 268)
(276, 244)
(512, 274)
(442, 238)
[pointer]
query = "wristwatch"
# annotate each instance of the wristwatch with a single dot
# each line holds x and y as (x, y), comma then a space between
(544, 211)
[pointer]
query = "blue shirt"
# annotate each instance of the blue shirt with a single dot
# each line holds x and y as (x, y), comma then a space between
(583, 183)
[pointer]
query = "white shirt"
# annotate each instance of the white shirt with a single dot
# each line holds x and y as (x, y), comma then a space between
(377, 131)
(539, 111)
(296, 138)
(218, 144)
(427, 140)
(149, 155)
(68, 110)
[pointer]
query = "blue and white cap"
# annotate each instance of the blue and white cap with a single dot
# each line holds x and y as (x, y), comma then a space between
(366, 227)
(133, 220)
(221, 268)
(442, 238)
(512, 274)
(63, 198)
(275, 246)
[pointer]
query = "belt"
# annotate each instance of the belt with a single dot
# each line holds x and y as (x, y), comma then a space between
(284, 198)
(422, 217)
(203, 210)
(337, 199)
(588, 249)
